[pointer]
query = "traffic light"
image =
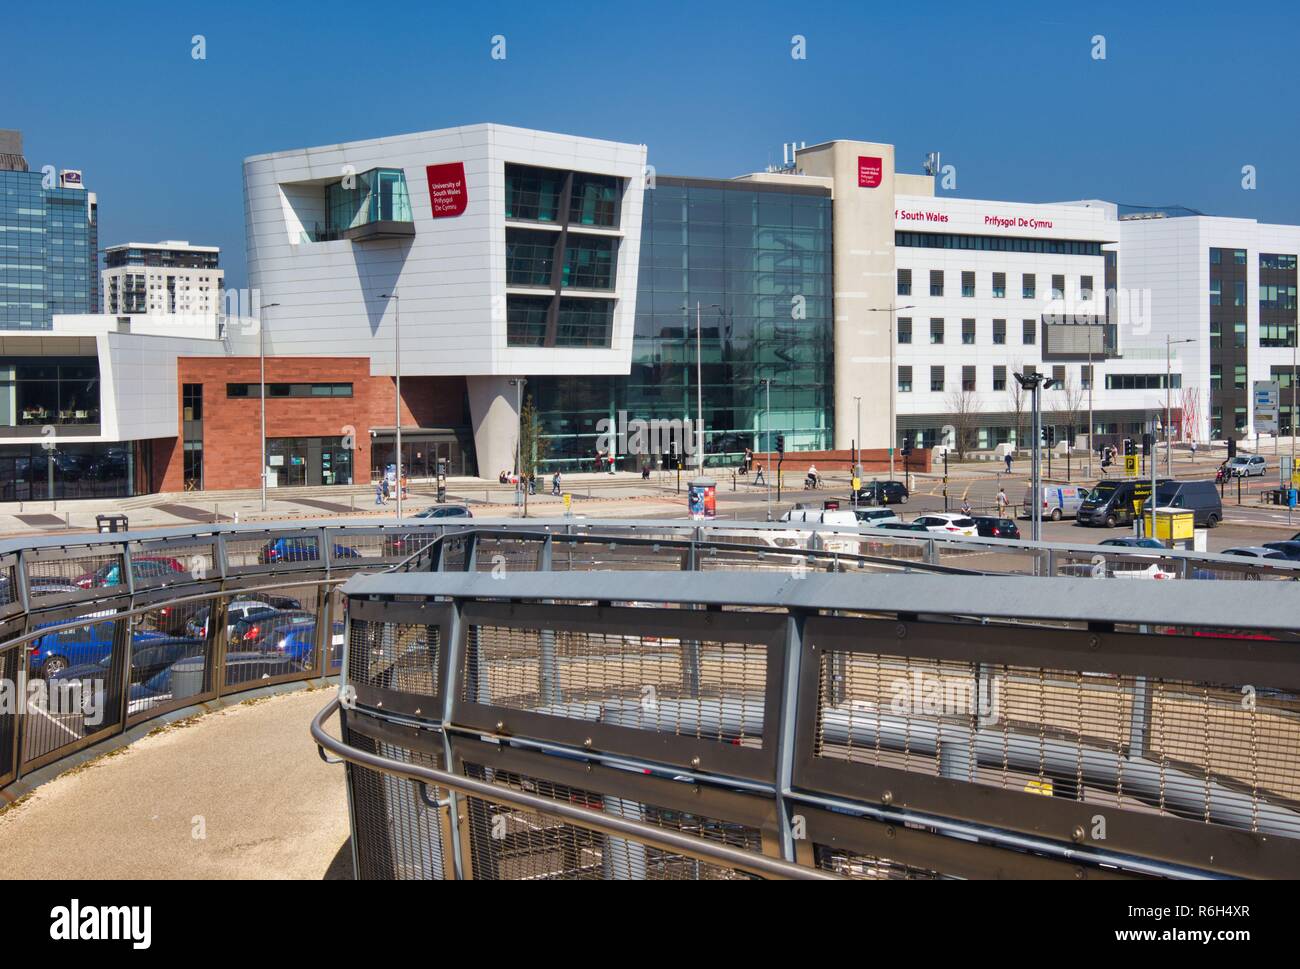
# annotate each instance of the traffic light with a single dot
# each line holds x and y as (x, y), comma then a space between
(1146, 445)
(1232, 447)
(780, 444)
(1130, 448)
(907, 447)
(1049, 435)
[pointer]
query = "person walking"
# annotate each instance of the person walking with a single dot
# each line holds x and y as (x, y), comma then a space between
(379, 494)
(384, 485)
(1007, 458)
(555, 484)
(611, 462)
(758, 476)
(1002, 502)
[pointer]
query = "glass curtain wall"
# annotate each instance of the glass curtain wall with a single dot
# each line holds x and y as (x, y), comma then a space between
(758, 261)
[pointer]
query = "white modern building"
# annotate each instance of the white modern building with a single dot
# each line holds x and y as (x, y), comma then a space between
(170, 277)
(498, 253)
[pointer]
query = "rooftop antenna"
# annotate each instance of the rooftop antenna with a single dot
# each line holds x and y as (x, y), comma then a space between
(931, 166)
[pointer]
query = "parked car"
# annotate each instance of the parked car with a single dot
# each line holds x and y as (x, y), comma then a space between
(947, 523)
(820, 516)
(1290, 550)
(1057, 501)
(144, 568)
(1247, 466)
(236, 612)
(1254, 552)
(1199, 497)
(251, 633)
(875, 516)
(303, 548)
(883, 493)
(991, 527)
(297, 642)
(902, 526)
(1132, 542)
(444, 511)
(1113, 503)
(79, 646)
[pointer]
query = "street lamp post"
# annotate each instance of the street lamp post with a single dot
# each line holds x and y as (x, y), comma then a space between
(1169, 430)
(893, 379)
(518, 384)
(397, 402)
(261, 360)
(1034, 383)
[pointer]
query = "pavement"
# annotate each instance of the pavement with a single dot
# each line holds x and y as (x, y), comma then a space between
(238, 793)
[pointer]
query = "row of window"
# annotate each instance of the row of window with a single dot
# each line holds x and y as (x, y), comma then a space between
(998, 289)
(578, 322)
(290, 390)
(1053, 247)
(536, 194)
(969, 382)
(1271, 334)
(1267, 260)
(587, 261)
(1028, 331)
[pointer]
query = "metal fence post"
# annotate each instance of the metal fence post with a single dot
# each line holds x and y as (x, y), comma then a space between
(453, 656)
(785, 730)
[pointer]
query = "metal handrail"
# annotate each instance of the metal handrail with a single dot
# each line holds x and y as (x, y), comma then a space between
(651, 835)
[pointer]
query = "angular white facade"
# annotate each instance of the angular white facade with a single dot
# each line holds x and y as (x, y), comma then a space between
(449, 274)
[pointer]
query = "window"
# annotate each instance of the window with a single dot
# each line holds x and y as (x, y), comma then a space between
(936, 282)
(1239, 419)
(1058, 287)
(192, 402)
(1216, 257)
(588, 262)
(526, 320)
(936, 331)
(999, 285)
(1239, 335)
(1216, 292)
(1027, 332)
(943, 240)
(904, 380)
(967, 379)
(1277, 334)
(1029, 286)
(1145, 381)
(1216, 335)
(584, 322)
(968, 332)
(999, 332)
(904, 329)
(1239, 377)
(379, 195)
(999, 378)
(276, 390)
(1085, 377)
(533, 194)
(967, 283)
(530, 257)
(1239, 257)
(1239, 293)
(905, 282)
(1216, 376)
(594, 200)
(1085, 287)
(1276, 297)
(1272, 260)
(1058, 374)
(936, 379)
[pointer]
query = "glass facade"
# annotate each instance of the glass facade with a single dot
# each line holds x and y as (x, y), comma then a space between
(49, 245)
(379, 195)
(29, 471)
(308, 461)
(39, 391)
(757, 260)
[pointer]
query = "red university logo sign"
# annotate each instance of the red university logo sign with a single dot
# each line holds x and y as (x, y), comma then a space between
(448, 195)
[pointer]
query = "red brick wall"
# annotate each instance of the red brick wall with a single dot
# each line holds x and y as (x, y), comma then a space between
(231, 426)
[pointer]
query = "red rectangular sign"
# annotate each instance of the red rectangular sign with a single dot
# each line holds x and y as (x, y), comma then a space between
(870, 171)
(448, 194)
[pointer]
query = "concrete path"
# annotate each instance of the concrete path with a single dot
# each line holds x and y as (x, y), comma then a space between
(239, 793)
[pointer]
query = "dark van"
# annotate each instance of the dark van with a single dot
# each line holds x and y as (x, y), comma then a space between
(1113, 503)
(1200, 497)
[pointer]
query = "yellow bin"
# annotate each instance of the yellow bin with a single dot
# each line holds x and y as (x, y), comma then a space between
(1172, 524)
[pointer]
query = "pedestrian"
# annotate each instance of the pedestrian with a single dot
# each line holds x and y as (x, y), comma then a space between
(1007, 458)
(384, 485)
(555, 484)
(379, 494)
(405, 480)
(532, 482)
(1193, 450)
(748, 462)
(611, 462)
(966, 506)
(1002, 502)
(645, 472)
(758, 476)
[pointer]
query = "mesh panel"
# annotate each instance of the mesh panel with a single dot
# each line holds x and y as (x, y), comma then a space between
(1220, 754)
(594, 556)
(708, 690)
(393, 656)
(166, 667)
(508, 843)
(398, 835)
(57, 571)
(513, 555)
(266, 647)
(165, 564)
(868, 867)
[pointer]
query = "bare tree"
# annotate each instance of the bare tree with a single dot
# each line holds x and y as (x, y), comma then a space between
(1019, 401)
(1072, 401)
(963, 405)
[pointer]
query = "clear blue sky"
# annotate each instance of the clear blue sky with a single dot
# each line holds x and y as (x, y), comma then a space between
(1009, 93)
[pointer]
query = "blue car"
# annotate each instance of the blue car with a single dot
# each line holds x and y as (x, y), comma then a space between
(297, 643)
(80, 646)
(303, 548)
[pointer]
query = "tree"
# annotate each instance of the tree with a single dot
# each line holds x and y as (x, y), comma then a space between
(532, 445)
(963, 405)
(1019, 399)
(1072, 400)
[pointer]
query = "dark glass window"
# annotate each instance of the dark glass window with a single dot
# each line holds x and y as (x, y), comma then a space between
(290, 390)
(530, 257)
(936, 331)
(999, 378)
(192, 402)
(584, 322)
(936, 282)
(999, 332)
(595, 200)
(999, 285)
(1029, 286)
(940, 240)
(526, 320)
(588, 262)
(967, 283)
(904, 380)
(936, 379)
(533, 194)
(905, 282)
(904, 329)
(968, 332)
(967, 378)
(1028, 332)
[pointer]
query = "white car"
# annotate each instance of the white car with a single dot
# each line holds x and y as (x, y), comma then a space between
(870, 517)
(1254, 552)
(948, 523)
(1247, 467)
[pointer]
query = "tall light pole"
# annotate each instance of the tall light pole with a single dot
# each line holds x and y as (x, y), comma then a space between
(518, 384)
(397, 402)
(893, 379)
(1034, 383)
(1169, 430)
(699, 392)
(1092, 379)
(261, 359)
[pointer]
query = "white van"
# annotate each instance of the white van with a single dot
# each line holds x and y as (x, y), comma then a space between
(820, 516)
(1059, 501)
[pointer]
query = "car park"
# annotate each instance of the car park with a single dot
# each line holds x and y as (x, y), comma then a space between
(947, 523)
(1247, 466)
(1056, 501)
(991, 527)
(251, 633)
